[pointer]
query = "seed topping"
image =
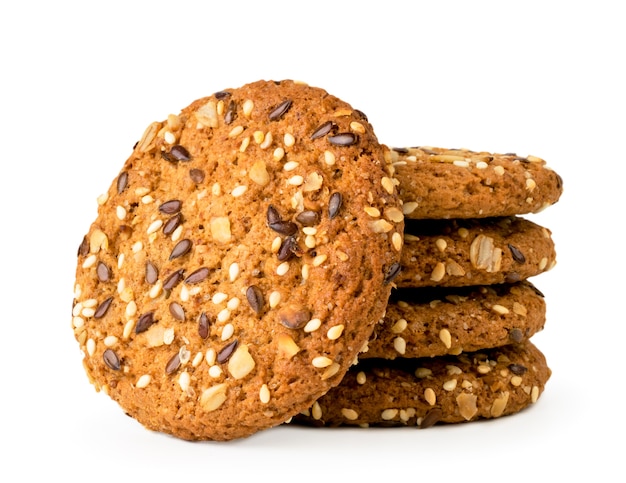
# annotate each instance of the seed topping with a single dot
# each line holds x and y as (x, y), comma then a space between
(102, 308)
(152, 273)
(255, 299)
(392, 272)
(171, 207)
(334, 204)
(197, 276)
(280, 110)
(224, 354)
(170, 225)
(103, 272)
(173, 280)
(203, 326)
(322, 130)
(343, 139)
(180, 249)
(111, 359)
(144, 322)
(517, 254)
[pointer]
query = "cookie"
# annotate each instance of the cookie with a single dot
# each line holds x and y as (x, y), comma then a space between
(440, 183)
(239, 261)
(423, 392)
(459, 252)
(436, 321)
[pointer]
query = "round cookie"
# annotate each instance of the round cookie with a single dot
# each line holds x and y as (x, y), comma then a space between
(436, 321)
(440, 183)
(455, 253)
(423, 392)
(239, 261)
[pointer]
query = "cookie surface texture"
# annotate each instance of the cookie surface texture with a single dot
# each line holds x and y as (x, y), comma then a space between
(422, 392)
(478, 251)
(438, 183)
(238, 262)
(436, 321)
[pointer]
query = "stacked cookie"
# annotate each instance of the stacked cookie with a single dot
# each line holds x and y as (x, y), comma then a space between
(238, 262)
(454, 343)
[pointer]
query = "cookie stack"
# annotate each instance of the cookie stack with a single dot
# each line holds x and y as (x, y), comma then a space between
(454, 344)
(246, 253)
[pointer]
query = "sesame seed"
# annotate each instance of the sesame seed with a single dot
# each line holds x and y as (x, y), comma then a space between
(312, 325)
(245, 142)
(210, 356)
(296, 180)
(321, 361)
(290, 165)
(500, 309)
(389, 414)
(278, 154)
(335, 332)
(215, 371)
(349, 414)
(267, 142)
(233, 303)
(143, 381)
(441, 244)
(120, 212)
(238, 191)
(329, 158)
(396, 241)
(222, 316)
(91, 347)
(438, 272)
(289, 140)
(319, 259)
(388, 184)
(236, 131)
(430, 396)
(445, 337)
(372, 211)
(90, 261)
(450, 385)
(399, 344)
(282, 269)
(316, 411)
(399, 326)
(361, 378)
(154, 226)
(274, 299)
(264, 394)
(184, 380)
(499, 170)
(409, 207)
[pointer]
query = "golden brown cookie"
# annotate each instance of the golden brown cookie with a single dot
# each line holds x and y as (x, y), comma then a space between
(440, 183)
(239, 261)
(459, 252)
(435, 321)
(423, 392)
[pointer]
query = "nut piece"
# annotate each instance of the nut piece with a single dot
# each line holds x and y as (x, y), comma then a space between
(484, 255)
(241, 363)
(499, 405)
(220, 229)
(213, 397)
(258, 173)
(467, 405)
(287, 346)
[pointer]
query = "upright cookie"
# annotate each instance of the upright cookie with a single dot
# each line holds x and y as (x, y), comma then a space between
(456, 253)
(436, 321)
(423, 392)
(239, 261)
(458, 183)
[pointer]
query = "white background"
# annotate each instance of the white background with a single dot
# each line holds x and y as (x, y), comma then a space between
(81, 80)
